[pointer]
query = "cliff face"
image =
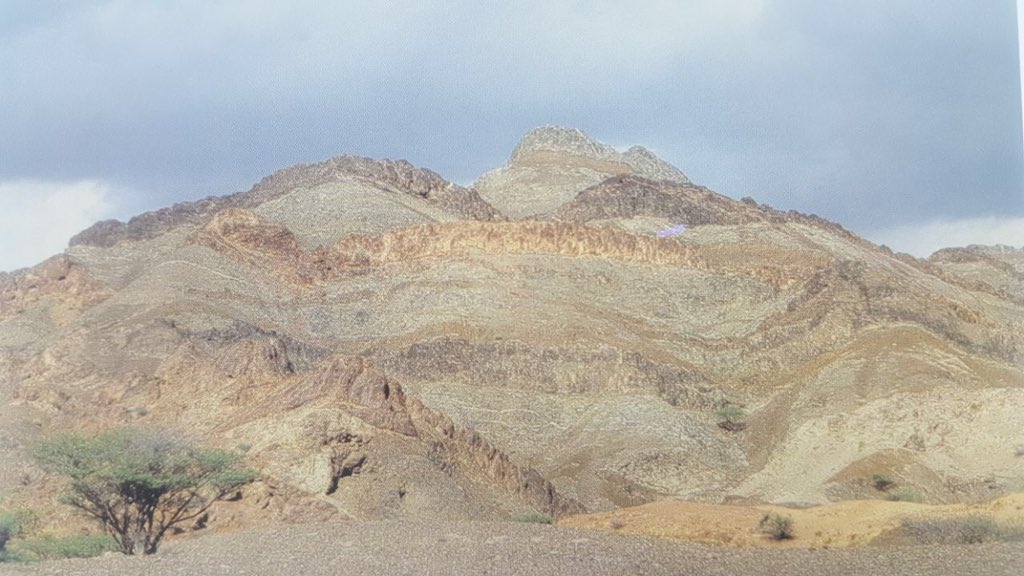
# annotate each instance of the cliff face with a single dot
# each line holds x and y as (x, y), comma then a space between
(384, 343)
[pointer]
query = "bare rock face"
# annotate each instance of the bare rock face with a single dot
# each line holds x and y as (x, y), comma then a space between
(551, 164)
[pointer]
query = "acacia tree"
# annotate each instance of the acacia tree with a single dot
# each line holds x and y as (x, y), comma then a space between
(138, 483)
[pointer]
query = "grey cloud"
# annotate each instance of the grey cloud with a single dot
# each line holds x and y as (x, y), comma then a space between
(872, 113)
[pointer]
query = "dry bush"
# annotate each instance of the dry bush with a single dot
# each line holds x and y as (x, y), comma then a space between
(777, 526)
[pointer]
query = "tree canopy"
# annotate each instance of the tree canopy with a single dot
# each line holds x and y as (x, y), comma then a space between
(140, 483)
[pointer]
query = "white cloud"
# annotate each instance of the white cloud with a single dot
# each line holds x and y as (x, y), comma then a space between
(37, 217)
(923, 239)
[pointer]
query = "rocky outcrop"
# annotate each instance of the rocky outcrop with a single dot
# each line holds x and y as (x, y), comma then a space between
(400, 176)
(357, 254)
(58, 278)
(378, 400)
(631, 196)
(470, 452)
(562, 146)
(286, 354)
(551, 164)
(433, 241)
(151, 224)
(244, 235)
(514, 364)
(624, 197)
(850, 295)
(999, 256)
(395, 176)
(997, 270)
(366, 393)
(245, 231)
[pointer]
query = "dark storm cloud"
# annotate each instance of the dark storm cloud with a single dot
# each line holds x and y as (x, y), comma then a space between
(872, 113)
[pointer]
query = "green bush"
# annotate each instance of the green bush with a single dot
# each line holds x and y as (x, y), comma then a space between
(777, 526)
(138, 484)
(731, 418)
(14, 524)
(8, 530)
(967, 529)
(882, 482)
(10, 556)
(49, 547)
(533, 518)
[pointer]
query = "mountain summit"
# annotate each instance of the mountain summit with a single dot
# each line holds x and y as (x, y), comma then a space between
(571, 144)
(551, 164)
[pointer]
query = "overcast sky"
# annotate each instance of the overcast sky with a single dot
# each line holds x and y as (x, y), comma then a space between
(900, 119)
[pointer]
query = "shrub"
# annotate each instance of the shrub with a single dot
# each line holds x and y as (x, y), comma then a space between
(777, 526)
(967, 529)
(533, 518)
(138, 484)
(7, 530)
(14, 524)
(731, 418)
(49, 547)
(882, 482)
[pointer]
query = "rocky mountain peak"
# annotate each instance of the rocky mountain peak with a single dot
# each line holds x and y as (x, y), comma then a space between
(648, 165)
(552, 138)
(551, 143)
(551, 164)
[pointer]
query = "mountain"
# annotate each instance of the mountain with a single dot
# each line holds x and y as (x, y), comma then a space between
(556, 338)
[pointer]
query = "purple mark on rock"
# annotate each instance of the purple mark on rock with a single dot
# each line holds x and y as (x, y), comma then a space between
(672, 231)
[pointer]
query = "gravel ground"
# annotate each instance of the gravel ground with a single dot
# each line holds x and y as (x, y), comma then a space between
(405, 548)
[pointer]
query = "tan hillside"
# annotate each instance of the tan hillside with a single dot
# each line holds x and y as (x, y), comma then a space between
(844, 524)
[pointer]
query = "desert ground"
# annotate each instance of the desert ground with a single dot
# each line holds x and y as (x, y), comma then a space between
(393, 548)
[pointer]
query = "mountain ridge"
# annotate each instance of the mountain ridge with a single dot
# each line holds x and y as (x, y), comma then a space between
(400, 175)
(390, 345)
